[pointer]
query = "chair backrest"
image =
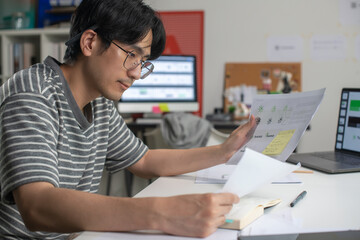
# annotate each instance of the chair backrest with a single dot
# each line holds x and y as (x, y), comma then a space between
(156, 141)
(216, 137)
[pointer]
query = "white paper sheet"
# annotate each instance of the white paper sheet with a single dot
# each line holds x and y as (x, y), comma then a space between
(253, 171)
(223, 234)
(220, 174)
(291, 178)
(279, 113)
(281, 222)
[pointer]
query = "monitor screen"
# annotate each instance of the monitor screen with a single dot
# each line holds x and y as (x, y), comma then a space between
(172, 84)
(348, 132)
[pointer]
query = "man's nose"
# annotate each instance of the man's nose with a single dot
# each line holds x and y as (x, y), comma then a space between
(135, 73)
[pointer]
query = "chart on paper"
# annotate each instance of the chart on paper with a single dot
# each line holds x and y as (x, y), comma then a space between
(283, 119)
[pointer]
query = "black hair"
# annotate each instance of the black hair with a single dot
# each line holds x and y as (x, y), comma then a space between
(127, 21)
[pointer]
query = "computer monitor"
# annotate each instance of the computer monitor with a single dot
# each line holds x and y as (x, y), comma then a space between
(172, 85)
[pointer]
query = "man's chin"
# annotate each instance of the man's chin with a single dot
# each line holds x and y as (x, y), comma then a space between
(114, 97)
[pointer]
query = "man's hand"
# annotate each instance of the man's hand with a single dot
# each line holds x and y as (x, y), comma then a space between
(196, 215)
(239, 137)
(46, 208)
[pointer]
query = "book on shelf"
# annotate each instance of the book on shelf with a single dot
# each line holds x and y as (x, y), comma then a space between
(247, 210)
(21, 56)
(62, 51)
(29, 54)
(11, 58)
(57, 51)
(18, 59)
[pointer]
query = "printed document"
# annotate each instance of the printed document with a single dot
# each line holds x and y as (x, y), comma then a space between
(283, 119)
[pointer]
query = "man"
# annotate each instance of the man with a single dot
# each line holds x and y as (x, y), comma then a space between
(59, 128)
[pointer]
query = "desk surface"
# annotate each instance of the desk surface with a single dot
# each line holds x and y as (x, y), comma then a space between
(331, 204)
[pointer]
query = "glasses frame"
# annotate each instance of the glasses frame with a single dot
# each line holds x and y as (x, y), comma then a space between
(146, 66)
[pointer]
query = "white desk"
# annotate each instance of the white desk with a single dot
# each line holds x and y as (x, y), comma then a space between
(331, 204)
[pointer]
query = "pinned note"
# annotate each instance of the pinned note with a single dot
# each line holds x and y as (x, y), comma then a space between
(278, 144)
(164, 107)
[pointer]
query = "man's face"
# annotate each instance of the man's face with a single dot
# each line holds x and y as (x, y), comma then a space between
(107, 75)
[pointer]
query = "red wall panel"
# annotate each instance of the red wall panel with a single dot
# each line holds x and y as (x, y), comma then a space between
(185, 35)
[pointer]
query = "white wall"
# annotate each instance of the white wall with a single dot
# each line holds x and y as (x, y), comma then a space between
(237, 30)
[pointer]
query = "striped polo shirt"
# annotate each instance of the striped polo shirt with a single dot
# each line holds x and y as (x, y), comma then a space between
(45, 137)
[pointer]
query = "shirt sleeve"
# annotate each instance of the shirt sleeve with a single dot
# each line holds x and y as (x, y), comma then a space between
(124, 148)
(28, 130)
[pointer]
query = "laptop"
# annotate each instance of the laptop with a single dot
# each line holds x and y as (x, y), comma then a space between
(345, 235)
(346, 156)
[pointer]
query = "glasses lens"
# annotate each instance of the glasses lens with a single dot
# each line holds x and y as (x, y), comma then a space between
(146, 69)
(131, 61)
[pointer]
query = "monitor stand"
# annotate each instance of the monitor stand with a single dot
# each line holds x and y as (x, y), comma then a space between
(152, 115)
(150, 118)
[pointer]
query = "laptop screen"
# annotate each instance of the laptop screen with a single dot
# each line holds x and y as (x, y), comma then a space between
(348, 132)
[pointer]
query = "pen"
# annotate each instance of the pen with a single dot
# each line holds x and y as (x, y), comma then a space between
(298, 198)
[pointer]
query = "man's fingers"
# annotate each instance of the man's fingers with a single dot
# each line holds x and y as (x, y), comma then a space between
(248, 126)
(253, 123)
(222, 220)
(227, 198)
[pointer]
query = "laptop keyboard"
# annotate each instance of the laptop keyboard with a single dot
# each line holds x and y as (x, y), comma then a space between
(339, 157)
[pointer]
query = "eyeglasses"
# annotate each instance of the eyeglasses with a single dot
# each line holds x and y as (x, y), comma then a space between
(132, 61)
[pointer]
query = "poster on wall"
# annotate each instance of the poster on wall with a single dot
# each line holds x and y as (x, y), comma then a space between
(285, 49)
(328, 47)
(349, 12)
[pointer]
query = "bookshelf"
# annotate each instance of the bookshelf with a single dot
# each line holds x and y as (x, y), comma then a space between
(20, 48)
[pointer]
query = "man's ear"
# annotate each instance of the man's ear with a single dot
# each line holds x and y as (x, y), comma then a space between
(88, 42)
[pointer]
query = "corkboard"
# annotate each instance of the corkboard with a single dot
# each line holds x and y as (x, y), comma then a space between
(250, 74)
